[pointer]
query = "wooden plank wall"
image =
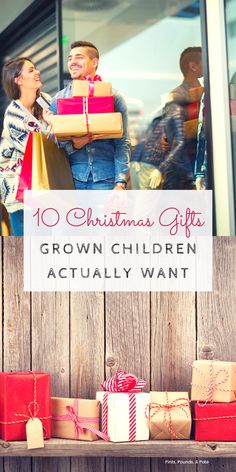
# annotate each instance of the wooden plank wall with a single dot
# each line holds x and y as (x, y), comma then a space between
(81, 337)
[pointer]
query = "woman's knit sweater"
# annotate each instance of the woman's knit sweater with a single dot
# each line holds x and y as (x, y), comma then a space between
(18, 123)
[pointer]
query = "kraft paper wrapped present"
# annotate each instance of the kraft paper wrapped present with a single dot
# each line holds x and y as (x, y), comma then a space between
(233, 121)
(23, 396)
(123, 408)
(170, 416)
(79, 105)
(195, 94)
(232, 88)
(215, 421)
(213, 381)
(91, 88)
(190, 128)
(74, 418)
(105, 124)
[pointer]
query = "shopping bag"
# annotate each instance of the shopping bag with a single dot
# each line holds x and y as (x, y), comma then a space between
(26, 170)
(45, 167)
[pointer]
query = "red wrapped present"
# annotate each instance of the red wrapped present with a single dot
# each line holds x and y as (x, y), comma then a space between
(215, 421)
(233, 107)
(79, 105)
(24, 395)
(192, 111)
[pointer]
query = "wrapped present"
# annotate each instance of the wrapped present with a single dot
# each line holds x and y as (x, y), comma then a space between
(190, 128)
(233, 121)
(192, 110)
(233, 107)
(123, 408)
(104, 124)
(169, 415)
(215, 421)
(213, 381)
(24, 396)
(232, 89)
(79, 105)
(76, 419)
(195, 94)
(91, 87)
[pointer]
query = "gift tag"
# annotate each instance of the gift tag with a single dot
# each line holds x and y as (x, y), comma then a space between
(34, 433)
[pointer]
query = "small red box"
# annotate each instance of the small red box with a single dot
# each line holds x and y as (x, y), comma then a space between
(215, 421)
(233, 107)
(192, 111)
(18, 390)
(80, 105)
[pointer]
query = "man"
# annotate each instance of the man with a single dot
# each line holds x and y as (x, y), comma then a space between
(96, 164)
(178, 166)
(190, 64)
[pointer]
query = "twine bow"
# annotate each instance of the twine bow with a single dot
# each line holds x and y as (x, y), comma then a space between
(123, 382)
(80, 422)
(211, 384)
(180, 403)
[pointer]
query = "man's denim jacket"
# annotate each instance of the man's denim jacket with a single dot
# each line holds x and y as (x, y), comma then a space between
(104, 158)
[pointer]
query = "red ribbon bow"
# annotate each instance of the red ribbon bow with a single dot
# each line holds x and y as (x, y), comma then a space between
(97, 78)
(123, 382)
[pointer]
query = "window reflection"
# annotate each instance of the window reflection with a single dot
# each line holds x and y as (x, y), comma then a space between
(231, 47)
(140, 44)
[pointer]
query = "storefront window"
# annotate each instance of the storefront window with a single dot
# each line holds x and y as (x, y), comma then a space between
(230, 13)
(140, 46)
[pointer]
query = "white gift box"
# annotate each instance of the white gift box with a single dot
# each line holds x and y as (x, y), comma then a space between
(126, 420)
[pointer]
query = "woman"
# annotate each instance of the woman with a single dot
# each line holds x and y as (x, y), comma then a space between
(21, 82)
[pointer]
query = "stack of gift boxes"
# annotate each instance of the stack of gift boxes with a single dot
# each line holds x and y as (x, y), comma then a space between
(90, 111)
(214, 394)
(122, 411)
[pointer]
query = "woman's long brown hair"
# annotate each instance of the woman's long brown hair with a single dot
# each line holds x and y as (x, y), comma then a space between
(11, 70)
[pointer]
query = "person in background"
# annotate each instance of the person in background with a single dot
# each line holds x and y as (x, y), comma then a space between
(21, 82)
(103, 163)
(147, 156)
(200, 170)
(178, 166)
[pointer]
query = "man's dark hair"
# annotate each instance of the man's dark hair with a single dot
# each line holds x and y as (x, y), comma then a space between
(192, 54)
(92, 50)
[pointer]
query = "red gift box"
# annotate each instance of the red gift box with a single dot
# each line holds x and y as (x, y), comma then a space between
(24, 395)
(233, 107)
(80, 105)
(215, 421)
